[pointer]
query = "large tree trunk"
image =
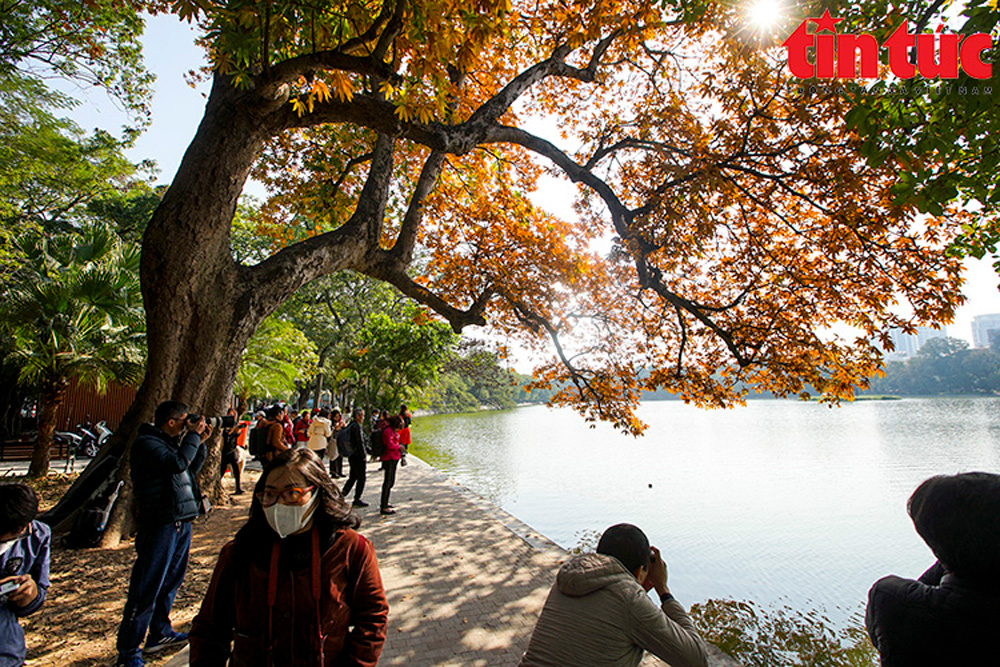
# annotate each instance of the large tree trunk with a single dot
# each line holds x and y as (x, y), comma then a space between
(201, 306)
(199, 314)
(51, 395)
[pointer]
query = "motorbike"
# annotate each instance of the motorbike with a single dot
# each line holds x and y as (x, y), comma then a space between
(92, 437)
(73, 444)
(103, 433)
(87, 435)
(71, 441)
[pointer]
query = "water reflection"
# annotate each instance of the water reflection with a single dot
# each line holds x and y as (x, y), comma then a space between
(779, 501)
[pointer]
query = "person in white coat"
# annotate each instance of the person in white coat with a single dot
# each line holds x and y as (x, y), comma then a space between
(319, 433)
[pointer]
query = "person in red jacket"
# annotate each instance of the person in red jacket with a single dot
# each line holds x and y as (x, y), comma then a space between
(392, 452)
(297, 586)
(404, 431)
(300, 428)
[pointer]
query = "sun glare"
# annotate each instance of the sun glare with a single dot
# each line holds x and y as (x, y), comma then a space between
(765, 14)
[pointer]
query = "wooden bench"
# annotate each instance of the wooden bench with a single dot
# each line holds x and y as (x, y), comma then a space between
(21, 450)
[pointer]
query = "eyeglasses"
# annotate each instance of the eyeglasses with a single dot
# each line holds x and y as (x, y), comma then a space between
(290, 496)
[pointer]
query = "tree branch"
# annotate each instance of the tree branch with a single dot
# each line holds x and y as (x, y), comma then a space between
(580, 381)
(391, 272)
(278, 276)
(402, 250)
(351, 164)
(620, 215)
(655, 282)
(272, 83)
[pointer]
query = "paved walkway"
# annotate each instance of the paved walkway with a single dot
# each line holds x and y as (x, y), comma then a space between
(465, 580)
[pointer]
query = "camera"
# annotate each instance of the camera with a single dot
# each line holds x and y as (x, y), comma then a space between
(226, 421)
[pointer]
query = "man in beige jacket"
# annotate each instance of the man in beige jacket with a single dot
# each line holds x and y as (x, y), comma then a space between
(598, 612)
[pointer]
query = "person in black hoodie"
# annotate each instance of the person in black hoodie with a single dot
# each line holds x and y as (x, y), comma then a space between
(166, 456)
(948, 616)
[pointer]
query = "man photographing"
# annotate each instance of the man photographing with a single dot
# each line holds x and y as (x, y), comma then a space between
(24, 567)
(166, 456)
(598, 612)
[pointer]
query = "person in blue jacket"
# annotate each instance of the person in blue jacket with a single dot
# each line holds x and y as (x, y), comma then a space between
(24, 567)
(166, 456)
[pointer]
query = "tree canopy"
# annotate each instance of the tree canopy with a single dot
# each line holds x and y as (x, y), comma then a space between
(277, 356)
(942, 135)
(50, 169)
(743, 224)
(400, 139)
(73, 309)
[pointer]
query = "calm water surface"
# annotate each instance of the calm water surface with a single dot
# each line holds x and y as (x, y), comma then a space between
(783, 503)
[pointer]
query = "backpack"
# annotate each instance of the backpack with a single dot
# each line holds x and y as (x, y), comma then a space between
(344, 442)
(258, 441)
(377, 447)
(87, 530)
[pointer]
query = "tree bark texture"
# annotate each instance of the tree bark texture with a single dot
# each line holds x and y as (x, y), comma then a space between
(53, 391)
(201, 306)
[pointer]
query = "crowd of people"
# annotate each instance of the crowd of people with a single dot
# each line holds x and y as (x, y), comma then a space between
(298, 585)
(324, 432)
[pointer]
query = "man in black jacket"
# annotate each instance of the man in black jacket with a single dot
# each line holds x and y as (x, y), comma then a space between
(166, 456)
(357, 455)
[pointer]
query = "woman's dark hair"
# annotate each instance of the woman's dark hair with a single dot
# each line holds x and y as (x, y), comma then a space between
(332, 505)
(626, 543)
(958, 516)
(20, 506)
(395, 422)
(273, 411)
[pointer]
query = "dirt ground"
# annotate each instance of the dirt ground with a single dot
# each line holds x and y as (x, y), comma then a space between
(78, 624)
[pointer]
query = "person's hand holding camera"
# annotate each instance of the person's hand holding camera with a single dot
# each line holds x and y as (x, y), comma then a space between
(199, 427)
(657, 575)
(26, 592)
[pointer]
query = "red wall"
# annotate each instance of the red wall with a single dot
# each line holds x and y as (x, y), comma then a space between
(82, 401)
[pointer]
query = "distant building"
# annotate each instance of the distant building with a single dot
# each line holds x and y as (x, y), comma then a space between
(982, 325)
(907, 345)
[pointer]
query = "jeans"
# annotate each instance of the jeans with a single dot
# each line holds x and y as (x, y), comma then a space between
(357, 476)
(388, 481)
(160, 563)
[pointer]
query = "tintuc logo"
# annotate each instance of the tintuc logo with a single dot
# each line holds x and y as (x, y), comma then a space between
(837, 56)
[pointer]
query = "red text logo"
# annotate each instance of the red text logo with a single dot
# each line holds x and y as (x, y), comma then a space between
(938, 55)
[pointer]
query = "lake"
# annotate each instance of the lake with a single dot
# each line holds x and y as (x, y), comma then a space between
(779, 502)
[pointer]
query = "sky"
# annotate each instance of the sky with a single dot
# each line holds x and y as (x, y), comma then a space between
(177, 109)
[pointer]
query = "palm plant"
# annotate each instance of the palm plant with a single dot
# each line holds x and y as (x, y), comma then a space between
(74, 310)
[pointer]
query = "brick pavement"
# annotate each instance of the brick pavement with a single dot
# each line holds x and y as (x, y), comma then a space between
(463, 587)
(464, 579)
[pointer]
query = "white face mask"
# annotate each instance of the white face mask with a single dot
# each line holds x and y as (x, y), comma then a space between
(288, 519)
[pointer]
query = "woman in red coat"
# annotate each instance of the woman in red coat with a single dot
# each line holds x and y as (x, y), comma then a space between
(297, 586)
